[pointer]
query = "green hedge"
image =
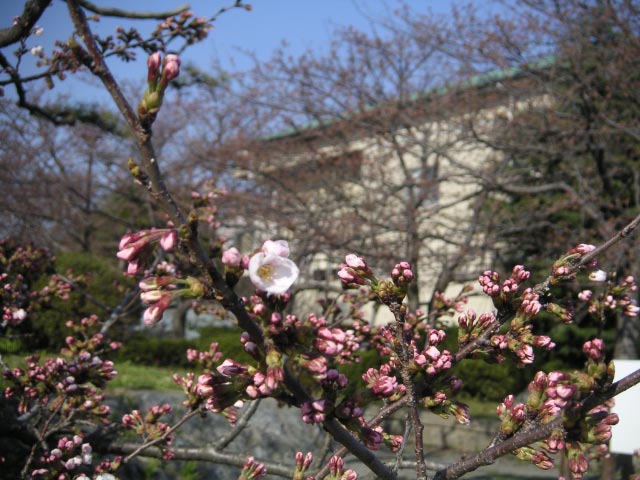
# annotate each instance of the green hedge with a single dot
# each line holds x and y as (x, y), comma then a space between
(170, 352)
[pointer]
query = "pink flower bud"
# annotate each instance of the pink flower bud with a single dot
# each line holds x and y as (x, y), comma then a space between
(354, 261)
(231, 258)
(153, 67)
(169, 240)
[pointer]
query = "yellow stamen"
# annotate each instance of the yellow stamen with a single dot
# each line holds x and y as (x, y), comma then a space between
(266, 272)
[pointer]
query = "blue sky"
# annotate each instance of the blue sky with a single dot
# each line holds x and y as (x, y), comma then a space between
(303, 24)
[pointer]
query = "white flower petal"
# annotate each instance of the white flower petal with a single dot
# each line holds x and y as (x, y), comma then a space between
(279, 248)
(271, 273)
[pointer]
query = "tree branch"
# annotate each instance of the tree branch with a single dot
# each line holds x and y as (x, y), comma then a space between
(118, 12)
(200, 454)
(33, 10)
(540, 432)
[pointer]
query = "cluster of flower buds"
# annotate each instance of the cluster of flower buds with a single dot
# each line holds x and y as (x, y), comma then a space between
(159, 291)
(431, 360)
(440, 404)
(69, 384)
(303, 462)
(336, 342)
(69, 455)
(314, 411)
(539, 458)
(382, 384)
(228, 384)
(590, 441)
(187, 26)
(157, 82)
(512, 416)
(136, 248)
(216, 392)
(616, 297)
(337, 471)
(504, 293)
(560, 394)
(355, 273)
(252, 470)
(20, 267)
(471, 326)
(563, 269)
(150, 427)
(207, 360)
(393, 292)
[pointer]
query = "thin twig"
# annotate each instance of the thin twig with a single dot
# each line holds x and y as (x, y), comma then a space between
(243, 421)
(202, 454)
(151, 443)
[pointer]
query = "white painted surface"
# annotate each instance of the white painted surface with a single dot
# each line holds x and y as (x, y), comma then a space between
(626, 435)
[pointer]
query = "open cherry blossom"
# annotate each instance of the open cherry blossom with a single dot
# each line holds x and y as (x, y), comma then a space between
(270, 269)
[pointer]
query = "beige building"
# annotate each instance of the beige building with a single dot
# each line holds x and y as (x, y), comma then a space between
(402, 181)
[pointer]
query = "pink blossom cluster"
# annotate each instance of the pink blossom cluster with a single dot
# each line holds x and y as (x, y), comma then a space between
(149, 426)
(512, 415)
(228, 383)
(67, 457)
(337, 471)
(208, 359)
(382, 384)
(439, 403)
(137, 248)
(616, 297)
(157, 82)
(76, 380)
(21, 266)
(216, 392)
(336, 341)
(314, 411)
(431, 360)
(594, 349)
(590, 441)
(530, 305)
(471, 326)
(564, 268)
(401, 273)
(501, 293)
(355, 271)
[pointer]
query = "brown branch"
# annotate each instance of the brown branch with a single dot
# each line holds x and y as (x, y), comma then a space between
(33, 10)
(161, 438)
(365, 455)
(118, 12)
(242, 423)
(540, 432)
(206, 454)
(621, 235)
